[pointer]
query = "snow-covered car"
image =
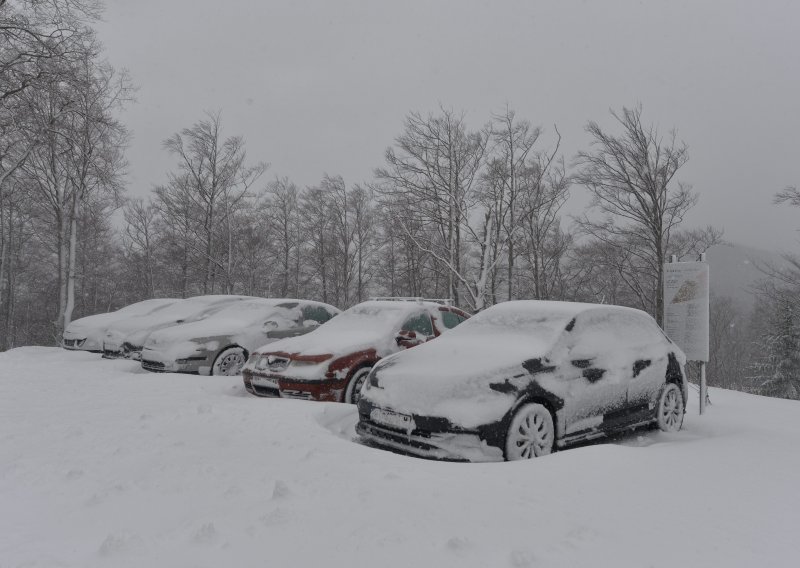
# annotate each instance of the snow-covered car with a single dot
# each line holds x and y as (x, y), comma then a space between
(332, 362)
(523, 378)
(126, 338)
(221, 343)
(86, 334)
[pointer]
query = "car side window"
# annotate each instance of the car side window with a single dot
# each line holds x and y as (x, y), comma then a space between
(316, 313)
(451, 319)
(420, 323)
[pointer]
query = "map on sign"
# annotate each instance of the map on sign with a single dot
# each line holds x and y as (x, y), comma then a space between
(686, 307)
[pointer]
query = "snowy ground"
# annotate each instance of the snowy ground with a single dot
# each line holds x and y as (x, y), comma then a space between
(102, 464)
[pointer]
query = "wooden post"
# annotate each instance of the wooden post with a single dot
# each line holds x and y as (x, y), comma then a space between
(703, 385)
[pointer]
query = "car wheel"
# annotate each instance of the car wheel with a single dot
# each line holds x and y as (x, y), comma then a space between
(353, 392)
(669, 413)
(229, 362)
(531, 433)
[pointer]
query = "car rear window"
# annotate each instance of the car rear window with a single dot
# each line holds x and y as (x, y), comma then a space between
(450, 319)
(316, 313)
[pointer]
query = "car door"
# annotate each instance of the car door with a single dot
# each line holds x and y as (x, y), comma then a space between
(649, 361)
(596, 377)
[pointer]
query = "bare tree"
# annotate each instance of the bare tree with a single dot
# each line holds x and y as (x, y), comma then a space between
(631, 179)
(39, 39)
(142, 236)
(433, 170)
(213, 176)
(81, 153)
(284, 216)
(516, 178)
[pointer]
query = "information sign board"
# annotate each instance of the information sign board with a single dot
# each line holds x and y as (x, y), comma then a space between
(686, 307)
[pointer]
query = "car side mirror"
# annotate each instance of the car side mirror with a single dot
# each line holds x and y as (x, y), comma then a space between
(407, 338)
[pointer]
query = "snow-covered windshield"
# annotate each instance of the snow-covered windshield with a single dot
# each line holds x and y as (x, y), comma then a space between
(254, 312)
(372, 317)
(146, 306)
(189, 307)
(512, 319)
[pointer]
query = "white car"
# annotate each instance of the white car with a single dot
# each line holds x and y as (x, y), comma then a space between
(126, 338)
(221, 343)
(86, 334)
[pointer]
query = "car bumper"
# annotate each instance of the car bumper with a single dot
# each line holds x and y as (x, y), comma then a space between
(448, 446)
(74, 344)
(259, 385)
(113, 350)
(274, 385)
(157, 362)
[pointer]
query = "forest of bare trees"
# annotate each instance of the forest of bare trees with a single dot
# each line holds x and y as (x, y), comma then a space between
(475, 214)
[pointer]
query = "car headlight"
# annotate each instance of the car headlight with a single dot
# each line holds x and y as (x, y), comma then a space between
(372, 379)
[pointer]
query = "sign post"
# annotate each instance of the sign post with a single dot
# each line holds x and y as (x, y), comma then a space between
(686, 313)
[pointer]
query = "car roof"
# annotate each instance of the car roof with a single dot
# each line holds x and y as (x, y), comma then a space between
(406, 305)
(565, 309)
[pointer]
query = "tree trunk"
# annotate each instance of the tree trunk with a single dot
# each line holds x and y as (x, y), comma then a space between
(69, 306)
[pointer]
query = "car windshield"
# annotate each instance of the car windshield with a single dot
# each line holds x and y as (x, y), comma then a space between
(543, 325)
(186, 308)
(369, 318)
(252, 312)
(144, 307)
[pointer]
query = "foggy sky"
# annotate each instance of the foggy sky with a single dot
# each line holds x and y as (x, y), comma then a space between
(322, 86)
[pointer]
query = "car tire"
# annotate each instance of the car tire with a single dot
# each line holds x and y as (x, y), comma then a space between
(229, 362)
(531, 433)
(353, 392)
(670, 408)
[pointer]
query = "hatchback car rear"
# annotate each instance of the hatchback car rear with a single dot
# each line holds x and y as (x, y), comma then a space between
(523, 378)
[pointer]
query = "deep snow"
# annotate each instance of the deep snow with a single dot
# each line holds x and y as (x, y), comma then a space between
(102, 464)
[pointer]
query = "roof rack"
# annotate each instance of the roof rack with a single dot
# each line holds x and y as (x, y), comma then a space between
(445, 301)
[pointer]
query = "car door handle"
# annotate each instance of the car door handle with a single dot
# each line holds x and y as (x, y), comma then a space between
(640, 365)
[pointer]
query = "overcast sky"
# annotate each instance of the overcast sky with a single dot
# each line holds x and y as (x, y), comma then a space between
(322, 86)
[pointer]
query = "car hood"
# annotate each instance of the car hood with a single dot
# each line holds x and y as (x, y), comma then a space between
(135, 333)
(196, 330)
(452, 377)
(93, 324)
(321, 342)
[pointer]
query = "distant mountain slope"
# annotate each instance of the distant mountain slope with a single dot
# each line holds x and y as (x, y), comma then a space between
(734, 270)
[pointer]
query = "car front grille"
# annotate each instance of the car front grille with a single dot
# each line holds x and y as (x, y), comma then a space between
(265, 391)
(153, 365)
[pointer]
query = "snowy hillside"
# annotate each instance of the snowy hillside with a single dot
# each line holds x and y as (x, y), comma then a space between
(102, 464)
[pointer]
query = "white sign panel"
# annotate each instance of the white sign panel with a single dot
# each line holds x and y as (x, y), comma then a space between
(686, 307)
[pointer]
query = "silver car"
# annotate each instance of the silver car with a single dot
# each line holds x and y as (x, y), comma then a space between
(126, 338)
(86, 334)
(221, 343)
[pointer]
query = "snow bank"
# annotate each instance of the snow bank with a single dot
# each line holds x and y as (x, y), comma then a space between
(102, 465)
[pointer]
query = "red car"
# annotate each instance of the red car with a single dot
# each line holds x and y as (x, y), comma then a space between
(332, 362)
